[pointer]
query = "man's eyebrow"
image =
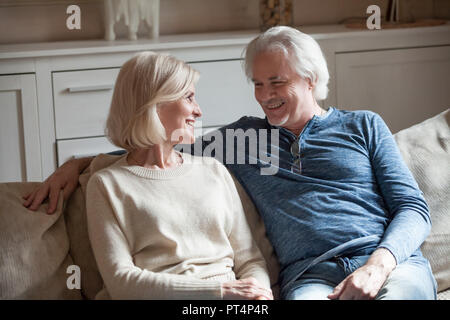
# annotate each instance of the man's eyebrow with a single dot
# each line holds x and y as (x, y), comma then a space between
(270, 79)
(275, 78)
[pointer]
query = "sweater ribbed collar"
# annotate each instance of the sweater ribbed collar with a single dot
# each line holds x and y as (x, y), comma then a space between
(158, 174)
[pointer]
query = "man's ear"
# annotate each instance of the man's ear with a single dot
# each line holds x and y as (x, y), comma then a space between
(311, 85)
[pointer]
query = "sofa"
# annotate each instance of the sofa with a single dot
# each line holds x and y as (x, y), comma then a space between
(49, 256)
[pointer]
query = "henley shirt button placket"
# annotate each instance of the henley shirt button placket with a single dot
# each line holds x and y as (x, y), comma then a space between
(295, 152)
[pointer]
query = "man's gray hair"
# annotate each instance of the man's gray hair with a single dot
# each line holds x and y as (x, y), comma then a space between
(303, 51)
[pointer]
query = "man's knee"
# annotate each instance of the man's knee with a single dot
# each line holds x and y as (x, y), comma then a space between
(310, 292)
(409, 281)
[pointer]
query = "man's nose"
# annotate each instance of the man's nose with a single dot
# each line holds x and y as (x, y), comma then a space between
(266, 93)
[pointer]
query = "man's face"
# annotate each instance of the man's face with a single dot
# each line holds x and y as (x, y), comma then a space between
(280, 91)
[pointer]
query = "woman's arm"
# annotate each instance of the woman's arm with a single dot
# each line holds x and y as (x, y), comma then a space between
(249, 263)
(65, 179)
(122, 278)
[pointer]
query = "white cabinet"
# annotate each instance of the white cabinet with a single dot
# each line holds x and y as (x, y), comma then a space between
(81, 101)
(55, 97)
(224, 94)
(79, 148)
(405, 86)
(19, 130)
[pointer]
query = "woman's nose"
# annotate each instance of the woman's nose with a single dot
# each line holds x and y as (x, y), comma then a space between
(197, 111)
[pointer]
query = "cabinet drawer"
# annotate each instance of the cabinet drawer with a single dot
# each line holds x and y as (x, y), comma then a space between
(82, 98)
(79, 148)
(223, 93)
(81, 101)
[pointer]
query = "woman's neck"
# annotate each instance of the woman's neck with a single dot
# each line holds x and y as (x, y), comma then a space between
(155, 157)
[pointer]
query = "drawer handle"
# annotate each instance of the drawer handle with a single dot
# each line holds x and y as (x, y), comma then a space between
(94, 154)
(99, 87)
(84, 155)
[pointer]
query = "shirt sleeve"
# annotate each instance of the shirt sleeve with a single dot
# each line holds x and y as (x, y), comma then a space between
(411, 223)
(122, 278)
(248, 260)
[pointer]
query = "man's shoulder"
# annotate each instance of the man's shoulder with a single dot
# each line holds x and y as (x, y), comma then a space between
(247, 122)
(357, 114)
(358, 118)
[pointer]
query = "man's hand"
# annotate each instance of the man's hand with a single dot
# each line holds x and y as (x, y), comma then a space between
(65, 178)
(365, 282)
(245, 289)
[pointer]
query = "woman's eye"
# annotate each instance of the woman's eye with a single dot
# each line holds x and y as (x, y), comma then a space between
(190, 97)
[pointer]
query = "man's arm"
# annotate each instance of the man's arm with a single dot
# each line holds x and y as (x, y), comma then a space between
(65, 179)
(410, 223)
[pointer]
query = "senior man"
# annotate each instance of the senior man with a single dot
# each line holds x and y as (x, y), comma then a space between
(342, 210)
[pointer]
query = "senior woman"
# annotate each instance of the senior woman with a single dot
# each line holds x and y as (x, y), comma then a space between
(166, 225)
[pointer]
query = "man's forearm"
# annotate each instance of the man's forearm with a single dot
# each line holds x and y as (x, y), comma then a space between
(81, 163)
(384, 259)
(405, 234)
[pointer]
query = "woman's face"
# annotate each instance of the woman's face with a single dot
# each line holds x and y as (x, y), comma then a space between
(178, 117)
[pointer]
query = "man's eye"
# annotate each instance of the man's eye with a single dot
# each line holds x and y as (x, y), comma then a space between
(278, 83)
(257, 85)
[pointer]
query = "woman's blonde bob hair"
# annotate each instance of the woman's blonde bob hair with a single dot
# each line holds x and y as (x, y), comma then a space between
(145, 82)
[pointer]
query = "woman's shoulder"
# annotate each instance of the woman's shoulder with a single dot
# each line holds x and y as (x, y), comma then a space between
(208, 166)
(109, 173)
(207, 162)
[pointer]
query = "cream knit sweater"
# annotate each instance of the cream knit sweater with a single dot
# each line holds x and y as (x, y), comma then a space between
(169, 234)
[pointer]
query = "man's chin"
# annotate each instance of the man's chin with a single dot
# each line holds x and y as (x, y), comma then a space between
(277, 122)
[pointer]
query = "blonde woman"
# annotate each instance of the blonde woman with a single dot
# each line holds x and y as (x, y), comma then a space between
(165, 225)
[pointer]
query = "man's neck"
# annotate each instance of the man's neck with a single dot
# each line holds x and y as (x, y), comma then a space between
(306, 117)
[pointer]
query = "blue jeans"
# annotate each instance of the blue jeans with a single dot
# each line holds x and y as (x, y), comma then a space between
(410, 280)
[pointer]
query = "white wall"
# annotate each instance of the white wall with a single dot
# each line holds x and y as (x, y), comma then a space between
(44, 20)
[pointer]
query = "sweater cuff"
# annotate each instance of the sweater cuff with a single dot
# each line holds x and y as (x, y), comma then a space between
(198, 290)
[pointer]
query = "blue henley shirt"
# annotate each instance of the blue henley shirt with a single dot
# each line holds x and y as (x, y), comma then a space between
(339, 188)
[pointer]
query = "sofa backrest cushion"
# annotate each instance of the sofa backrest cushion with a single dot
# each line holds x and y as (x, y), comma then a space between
(34, 249)
(76, 220)
(425, 147)
(258, 230)
(80, 247)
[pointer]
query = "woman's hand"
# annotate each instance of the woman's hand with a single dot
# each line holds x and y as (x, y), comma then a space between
(245, 289)
(65, 178)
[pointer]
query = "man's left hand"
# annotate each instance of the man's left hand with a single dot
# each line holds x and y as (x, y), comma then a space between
(365, 282)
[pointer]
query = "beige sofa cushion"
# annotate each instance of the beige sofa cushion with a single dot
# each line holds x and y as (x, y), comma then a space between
(34, 249)
(425, 148)
(76, 221)
(259, 234)
(444, 295)
(80, 247)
